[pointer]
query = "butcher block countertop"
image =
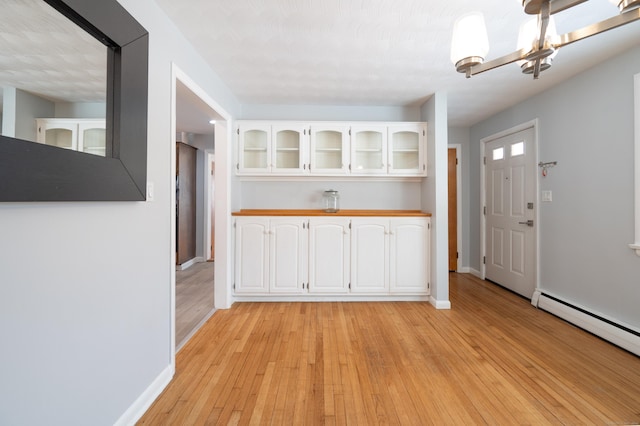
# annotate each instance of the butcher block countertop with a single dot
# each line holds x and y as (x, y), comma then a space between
(363, 213)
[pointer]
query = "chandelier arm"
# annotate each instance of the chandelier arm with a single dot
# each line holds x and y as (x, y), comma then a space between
(498, 62)
(597, 28)
(560, 5)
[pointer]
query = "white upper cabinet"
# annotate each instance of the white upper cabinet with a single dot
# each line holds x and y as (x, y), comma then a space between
(254, 149)
(84, 135)
(329, 149)
(368, 150)
(290, 149)
(407, 149)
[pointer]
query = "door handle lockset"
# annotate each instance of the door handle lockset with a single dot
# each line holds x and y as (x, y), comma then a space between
(528, 223)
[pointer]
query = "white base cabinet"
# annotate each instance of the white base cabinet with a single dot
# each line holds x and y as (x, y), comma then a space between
(409, 255)
(332, 256)
(329, 255)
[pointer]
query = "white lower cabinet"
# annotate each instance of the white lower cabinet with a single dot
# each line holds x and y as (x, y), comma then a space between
(365, 256)
(252, 255)
(390, 256)
(288, 258)
(329, 255)
(409, 255)
(370, 256)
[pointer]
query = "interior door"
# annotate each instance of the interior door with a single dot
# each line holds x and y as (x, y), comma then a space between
(510, 211)
(185, 203)
(453, 209)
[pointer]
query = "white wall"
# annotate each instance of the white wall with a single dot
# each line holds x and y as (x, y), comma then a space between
(85, 304)
(586, 125)
(434, 196)
(80, 110)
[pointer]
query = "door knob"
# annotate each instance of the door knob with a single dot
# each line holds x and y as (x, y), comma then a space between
(528, 223)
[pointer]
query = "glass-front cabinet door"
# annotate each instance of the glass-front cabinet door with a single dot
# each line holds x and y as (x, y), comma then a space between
(92, 137)
(254, 150)
(60, 133)
(329, 150)
(289, 150)
(407, 150)
(368, 150)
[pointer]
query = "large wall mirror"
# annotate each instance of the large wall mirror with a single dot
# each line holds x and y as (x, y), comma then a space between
(73, 102)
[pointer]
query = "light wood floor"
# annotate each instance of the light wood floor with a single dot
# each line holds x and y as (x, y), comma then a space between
(194, 299)
(492, 359)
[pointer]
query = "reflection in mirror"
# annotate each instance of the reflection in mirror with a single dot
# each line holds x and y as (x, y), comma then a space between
(52, 79)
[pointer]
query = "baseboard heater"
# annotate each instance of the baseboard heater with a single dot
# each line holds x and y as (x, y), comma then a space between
(618, 334)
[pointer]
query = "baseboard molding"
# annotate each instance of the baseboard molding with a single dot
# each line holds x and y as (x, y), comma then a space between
(440, 304)
(336, 298)
(144, 401)
(189, 263)
(618, 334)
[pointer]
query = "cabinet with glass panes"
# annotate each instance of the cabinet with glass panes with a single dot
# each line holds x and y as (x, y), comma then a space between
(84, 135)
(368, 150)
(407, 149)
(329, 149)
(283, 148)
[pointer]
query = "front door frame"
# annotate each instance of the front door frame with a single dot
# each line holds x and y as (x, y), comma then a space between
(483, 197)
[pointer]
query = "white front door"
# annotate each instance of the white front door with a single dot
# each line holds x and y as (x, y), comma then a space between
(510, 211)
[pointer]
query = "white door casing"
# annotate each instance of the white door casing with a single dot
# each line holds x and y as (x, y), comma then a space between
(510, 210)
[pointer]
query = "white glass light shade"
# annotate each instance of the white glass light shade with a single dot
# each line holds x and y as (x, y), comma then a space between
(616, 3)
(530, 33)
(469, 38)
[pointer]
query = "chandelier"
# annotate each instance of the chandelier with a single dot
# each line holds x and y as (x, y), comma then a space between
(538, 41)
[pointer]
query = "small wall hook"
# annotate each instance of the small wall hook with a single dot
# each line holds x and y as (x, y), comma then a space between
(546, 166)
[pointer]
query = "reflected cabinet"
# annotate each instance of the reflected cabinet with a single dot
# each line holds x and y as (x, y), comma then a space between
(84, 135)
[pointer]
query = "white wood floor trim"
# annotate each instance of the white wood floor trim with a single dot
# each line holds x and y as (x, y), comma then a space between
(144, 401)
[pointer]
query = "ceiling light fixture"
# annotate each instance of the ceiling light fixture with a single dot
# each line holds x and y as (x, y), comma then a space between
(212, 121)
(538, 42)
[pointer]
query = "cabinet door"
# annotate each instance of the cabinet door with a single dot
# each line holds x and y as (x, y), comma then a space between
(252, 255)
(254, 149)
(370, 255)
(289, 150)
(329, 150)
(407, 150)
(288, 254)
(409, 255)
(329, 255)
(92, 137)
(56, 132)
(368, 150)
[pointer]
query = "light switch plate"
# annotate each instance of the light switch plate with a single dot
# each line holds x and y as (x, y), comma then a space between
(547, 196)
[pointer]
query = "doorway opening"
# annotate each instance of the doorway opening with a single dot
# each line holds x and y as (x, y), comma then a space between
(194, 222)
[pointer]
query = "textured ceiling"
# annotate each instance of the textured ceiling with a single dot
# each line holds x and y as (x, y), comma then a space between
(314, 52)
(43, 52)
(377, 52)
